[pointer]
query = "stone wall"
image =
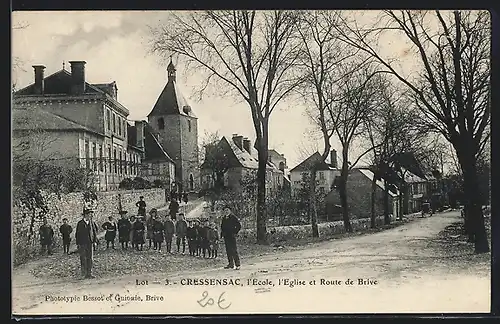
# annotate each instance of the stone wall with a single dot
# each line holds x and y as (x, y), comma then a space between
(71, 206)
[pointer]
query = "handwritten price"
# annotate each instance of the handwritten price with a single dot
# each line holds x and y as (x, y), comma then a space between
(209, 301)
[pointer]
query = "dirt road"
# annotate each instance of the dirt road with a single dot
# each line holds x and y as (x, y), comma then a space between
(390, 271)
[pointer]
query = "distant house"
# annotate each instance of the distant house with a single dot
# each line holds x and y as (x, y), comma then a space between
(325, 174)
(359, 189)
(242, 163)
(416, 192)
(157, 165)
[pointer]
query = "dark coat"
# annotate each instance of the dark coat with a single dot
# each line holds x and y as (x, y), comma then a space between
(157, 230)
(203, 232)
(138, 232)
(181, 228)
(191, 233)
(173, 207)
(86, 234)
(66, 231)
(141, 205)
(46, 234)
(230, 226)
(110, 228)
(124, 228)
(149, 228)
(169, 228)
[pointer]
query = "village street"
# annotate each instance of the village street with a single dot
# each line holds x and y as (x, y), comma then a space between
(404, 270)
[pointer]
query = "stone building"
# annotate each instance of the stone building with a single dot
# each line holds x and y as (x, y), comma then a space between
(359, 189)
(86, 120)
(64, 119)
(325, 173)
(242, 163)
(175, 125)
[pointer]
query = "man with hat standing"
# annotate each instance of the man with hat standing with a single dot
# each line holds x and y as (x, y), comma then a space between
(156, 229)
(124, 229)
(230, 227)
(86, 239)
(141, 207)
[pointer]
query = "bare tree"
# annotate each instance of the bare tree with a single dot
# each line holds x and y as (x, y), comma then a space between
(249, 53)
(453, 90)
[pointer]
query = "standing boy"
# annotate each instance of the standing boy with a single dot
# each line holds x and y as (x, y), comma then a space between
(46, 237)
(124, 228)
(213, 241)
(197, 227)
(157, 229)
(180, 233)
(173, 209)
(149, 227)
(191, 237)
(204, 244)
(65, 231)
(169, 229)
(141, 207)
(110, 227)
(138, 236)
(131, 233)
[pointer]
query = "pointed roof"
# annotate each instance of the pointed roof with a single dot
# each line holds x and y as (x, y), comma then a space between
(152, 147)
(308, 163)
(171, 101)
(380, 183)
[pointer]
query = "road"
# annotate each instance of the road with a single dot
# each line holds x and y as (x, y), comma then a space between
(399, 272)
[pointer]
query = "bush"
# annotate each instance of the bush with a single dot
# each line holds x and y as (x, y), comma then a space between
(136, 183)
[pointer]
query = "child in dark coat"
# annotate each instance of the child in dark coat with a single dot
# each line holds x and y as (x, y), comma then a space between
(197, 242)
(124, 228)
(204, 244)
(65, 231)
(191, 236)
(213, 241)
(138, 236)
(169, 229)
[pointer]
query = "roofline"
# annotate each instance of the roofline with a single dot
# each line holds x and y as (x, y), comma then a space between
(55, 130)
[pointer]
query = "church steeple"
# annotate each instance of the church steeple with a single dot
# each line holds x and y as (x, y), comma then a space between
(171, 71)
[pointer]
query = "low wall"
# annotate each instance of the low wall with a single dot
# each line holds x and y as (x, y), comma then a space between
(70, 206)
(283, 233)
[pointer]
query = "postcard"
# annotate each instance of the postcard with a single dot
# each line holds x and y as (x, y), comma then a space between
(250, 162)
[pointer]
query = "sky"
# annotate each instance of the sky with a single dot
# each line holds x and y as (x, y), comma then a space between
(115, 46)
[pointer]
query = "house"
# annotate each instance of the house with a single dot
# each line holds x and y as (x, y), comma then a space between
(241, 164)
(415, 191)
(175, 125)
(156, 166)
(325, 173)
(277, 159)
(359, 190)
(84, 125)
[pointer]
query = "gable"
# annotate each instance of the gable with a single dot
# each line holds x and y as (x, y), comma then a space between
(171, 102)
(307, 164)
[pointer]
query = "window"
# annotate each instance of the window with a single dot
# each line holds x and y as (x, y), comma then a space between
(119, 126)
(100, 158)
(114, 123)
(189, 125)
(125, 158)
(161, 123)
(321, 175)
(114, 158)
(108, 118)
(94, 156)
(124, 128)
(110, 158)
(121, 168)
(87, 155)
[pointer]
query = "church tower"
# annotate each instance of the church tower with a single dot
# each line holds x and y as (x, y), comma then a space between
(173, 119)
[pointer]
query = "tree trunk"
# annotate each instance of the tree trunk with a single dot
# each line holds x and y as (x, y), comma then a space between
(313, 212)
(473, 207)
(343, 191)
(261, 190)
(401, 198)
(373, 215)
(387, 218)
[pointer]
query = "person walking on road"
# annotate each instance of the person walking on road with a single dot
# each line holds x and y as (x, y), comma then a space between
(230, 226)
(86, 239)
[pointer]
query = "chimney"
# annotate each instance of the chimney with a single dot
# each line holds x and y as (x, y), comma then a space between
(246, 144)
(333, 158)
(139, 127)
(78, 77)
(113, 90)
(238, 140)
(39, 79)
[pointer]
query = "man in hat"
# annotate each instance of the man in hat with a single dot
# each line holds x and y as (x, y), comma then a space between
(157, 229)
(230, 227)
(86, 239)
(141, 205)
(110, 227)
(169, 229)
(46, 237)
(124, 229)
